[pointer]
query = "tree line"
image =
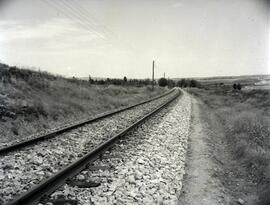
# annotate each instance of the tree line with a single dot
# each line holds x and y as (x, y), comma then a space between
(39, 78)
(163, 82)
(183, 83)
(118, 81)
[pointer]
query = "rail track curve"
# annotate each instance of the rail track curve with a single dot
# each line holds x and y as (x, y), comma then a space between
(47, 186)
(54, 133)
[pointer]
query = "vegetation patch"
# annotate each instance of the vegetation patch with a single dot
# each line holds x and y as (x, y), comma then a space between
(31, 101)
(245, 118)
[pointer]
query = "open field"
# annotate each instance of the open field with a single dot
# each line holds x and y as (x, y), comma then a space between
(239, 125)
(32, 101)
(247, 80)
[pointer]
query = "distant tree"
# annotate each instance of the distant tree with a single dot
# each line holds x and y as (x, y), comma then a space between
(100, 82)
(162, 82)
(193, 83)
(182, 83)
(125, 79)
(178, 83)
(90, 80)
(170, 83)
(108, 81)
(239, 87)
(234, 86)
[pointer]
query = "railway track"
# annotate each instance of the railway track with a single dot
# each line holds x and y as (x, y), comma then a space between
(144, 167)
(57, 176)
(55, 132)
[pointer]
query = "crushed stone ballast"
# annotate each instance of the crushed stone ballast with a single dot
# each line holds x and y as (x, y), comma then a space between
(145, 167)
(29, 166)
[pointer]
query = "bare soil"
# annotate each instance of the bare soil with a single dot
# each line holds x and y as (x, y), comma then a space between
(211, 174)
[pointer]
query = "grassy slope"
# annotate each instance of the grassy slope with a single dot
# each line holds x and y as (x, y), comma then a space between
(33, 101)
(244, 118)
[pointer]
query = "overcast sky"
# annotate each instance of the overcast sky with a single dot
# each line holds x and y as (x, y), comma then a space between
(116, 38)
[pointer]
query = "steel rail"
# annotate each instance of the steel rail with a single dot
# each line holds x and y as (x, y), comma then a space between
(49, 185)
(54, 133)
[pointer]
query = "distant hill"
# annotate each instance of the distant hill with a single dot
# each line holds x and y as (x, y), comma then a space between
(244, 79)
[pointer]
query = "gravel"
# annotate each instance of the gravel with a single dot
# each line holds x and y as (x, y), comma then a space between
(22, 169)
(145, 167)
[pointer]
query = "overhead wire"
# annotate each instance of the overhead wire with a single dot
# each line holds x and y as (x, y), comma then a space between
(82, 17)
(78, 15)
(86, 14)
(72, 18)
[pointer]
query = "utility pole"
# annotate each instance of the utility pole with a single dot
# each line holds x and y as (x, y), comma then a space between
(164, 75)
(153, 74)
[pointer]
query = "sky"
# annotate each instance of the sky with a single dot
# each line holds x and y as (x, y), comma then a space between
(116, 38)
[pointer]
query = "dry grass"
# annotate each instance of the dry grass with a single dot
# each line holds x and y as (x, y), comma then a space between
(33, 101)
(244, 116)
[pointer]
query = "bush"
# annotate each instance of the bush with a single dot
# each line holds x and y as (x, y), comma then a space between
(171, 83)
(162, 82)
(250, 136)
(239, 86)
(193, 83)
(39, 83)
(182, 83)
(187, 83)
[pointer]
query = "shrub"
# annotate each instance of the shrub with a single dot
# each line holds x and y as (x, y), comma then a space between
(171, 83)
(162, 82)
(39, 83)
(193, 83)
(239, 86)
(182, 83)
(187, 83)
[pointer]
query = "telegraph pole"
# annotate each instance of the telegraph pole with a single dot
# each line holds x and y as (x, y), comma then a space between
(153, 74)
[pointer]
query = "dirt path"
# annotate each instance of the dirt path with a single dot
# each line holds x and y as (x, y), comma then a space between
(200, 185)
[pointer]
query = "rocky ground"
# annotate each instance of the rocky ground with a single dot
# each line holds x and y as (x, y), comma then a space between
(147, 167)
(22, 169)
